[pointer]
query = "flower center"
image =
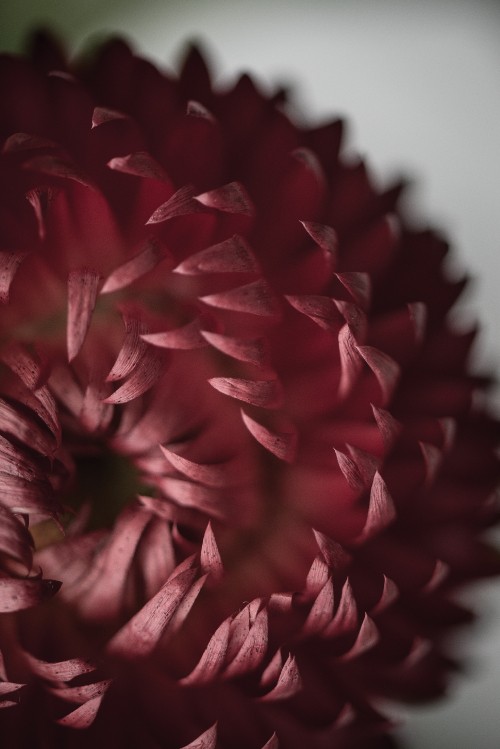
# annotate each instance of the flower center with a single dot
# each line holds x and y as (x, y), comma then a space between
(106, 482)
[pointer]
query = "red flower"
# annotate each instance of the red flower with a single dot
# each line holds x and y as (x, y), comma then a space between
(235, 422)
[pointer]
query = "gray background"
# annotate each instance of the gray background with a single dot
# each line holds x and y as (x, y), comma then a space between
(419, 83)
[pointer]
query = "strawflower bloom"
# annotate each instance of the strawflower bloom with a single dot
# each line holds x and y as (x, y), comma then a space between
(244, 464)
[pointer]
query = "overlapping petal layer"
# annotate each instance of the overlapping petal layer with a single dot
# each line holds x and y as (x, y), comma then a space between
(242, 462)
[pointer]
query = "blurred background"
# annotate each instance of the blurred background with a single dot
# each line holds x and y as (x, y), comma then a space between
(419, 85)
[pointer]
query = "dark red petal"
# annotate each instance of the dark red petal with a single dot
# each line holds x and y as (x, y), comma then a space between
(148, 371)
(233, 255)
(9, 263)
(289, 683)
(255, 298)
(82, 295)
(140, 635)
(212, 659)
(281, 444)
(263, 393)
(139, 164)
(17, 594)
(181, 203)
(206, 740)
(230, 198)
(148, 258)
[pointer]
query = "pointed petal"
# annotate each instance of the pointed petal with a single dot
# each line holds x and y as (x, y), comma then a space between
(17, 594)
(255, 298)
(288, 684)
(57, 166)
(350, 471)
(152, 253)
(147, 372)
(140, 635)
(263, 393)
(317, 577)
(346, 616)
(351, 362)
(60, 671)
(320, 309)
(367, 638)
(206, 740)
(324, 236)
(84, 715)
(358, 285)
(253, 649)
(82, 295)
(381, 510)
(212, 660)
(230, 198)
(273, 743)
(210, 474)
(321, 612)
(281, 444)
(388, 426)
(101, 115)
(333, 553)
(233, 255)
(139, 164)
(210, 560)
(9, 264)
(389, 594)
(252, 350)
(385, 369)
(182, 203)
(82, 693)
(185, 338)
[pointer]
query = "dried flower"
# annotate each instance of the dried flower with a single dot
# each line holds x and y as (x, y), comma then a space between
(242, 472)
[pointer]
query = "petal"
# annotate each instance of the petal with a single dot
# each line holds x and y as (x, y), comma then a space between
(84, 715)
(153, 253)
(182, 203)
(185, 338)
(206, 740)
(255, 298)
(82, 295)
(252, 350)
(233, 255)
(281, 444)
(210, 474)
(288, 684)
(17, 594)
(263, 393)
(60, 671)
(333, 553)
(385, 369)
(230, 198)
(321, 309)
(141, 634)
(321, 612)
(367, 638)
(147, 372)
(139, 164)
(212, 659)
(132, 350)
(358, 285)
(9, 264)
(346, 616)
(252, 652)
(210, 560)
(324, 236)
(381, 510)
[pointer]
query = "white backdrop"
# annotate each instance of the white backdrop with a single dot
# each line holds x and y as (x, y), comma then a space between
(419, 84)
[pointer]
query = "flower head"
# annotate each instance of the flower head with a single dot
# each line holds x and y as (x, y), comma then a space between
(243, 466)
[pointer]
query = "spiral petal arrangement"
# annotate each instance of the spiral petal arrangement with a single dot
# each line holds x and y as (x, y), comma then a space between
(244, 466)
